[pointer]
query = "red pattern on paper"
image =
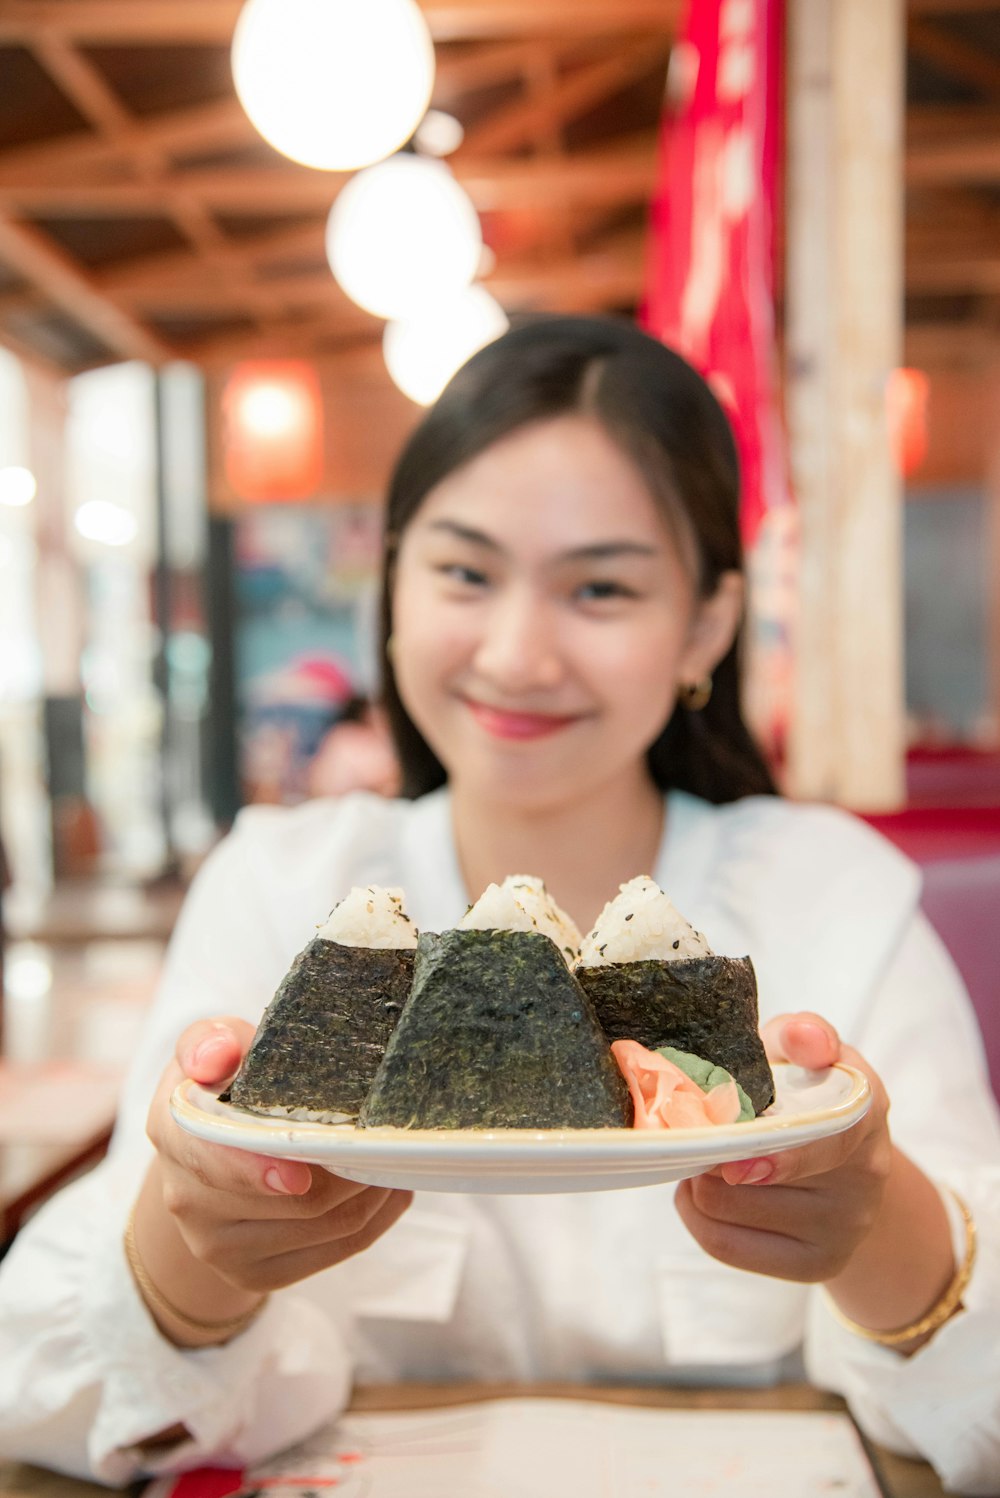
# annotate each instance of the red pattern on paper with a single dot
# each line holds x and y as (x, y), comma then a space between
(208, 1482)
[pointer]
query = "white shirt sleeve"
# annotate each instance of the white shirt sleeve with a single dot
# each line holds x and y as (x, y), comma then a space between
(943, 1402)
(85, 1375)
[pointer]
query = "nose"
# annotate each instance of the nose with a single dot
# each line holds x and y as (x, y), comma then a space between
(518, 651)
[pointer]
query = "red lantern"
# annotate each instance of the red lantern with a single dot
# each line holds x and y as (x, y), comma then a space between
(907, 394)
(272, 430)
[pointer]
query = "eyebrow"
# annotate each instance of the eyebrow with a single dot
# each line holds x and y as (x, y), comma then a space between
(596, 551)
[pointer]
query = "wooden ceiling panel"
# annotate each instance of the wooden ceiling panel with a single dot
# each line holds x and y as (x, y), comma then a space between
(88, 240)
(32, 106)
(184, 76)
(636, 104)
(142, 216)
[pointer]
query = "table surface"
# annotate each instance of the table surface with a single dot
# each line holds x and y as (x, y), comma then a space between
(72, 1023)
(901, 1478)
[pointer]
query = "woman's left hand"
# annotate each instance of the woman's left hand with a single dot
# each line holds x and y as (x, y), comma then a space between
(801, 1213)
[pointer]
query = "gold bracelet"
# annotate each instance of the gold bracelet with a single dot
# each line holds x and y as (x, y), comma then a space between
(940, 1311)
(211, 1330)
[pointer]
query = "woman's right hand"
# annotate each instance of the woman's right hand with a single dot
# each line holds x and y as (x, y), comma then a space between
(216, 1227)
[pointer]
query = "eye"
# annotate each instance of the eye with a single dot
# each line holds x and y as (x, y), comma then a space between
(600, 589)
(458, 572)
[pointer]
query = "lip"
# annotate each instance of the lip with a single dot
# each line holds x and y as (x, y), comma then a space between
(507, 725)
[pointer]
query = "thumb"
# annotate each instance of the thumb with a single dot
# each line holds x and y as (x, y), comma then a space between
(804, 1039)
(211, 1051)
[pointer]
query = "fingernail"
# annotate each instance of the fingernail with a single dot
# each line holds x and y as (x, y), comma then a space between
(755, 1174)
(210, 1050)
(274, 1179)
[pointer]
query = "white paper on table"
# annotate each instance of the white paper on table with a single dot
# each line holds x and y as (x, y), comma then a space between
(565, 1448)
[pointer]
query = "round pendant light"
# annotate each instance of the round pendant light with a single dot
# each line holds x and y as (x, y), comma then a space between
(334, 84)
(424, 352)
(402, 233)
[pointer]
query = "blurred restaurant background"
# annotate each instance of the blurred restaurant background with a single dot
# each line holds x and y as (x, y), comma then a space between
(232, 274)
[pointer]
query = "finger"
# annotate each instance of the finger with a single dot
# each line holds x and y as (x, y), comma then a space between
(796, 1212)
(804, 1039)
(289, 1268)
(192, 1166)
(810, 1162)
(340, 1223)
(211, 1051)
(758, 1250)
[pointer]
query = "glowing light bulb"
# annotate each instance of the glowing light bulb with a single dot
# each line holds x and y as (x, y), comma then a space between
(423, 353)
(334, 84)
(402, 234)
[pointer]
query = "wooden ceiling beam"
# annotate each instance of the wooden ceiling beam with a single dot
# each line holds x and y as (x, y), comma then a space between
(614, 266)
(525, 120)
(596, 282)
(59, 278)
(542, 83)
(623, 173)
(950, 121)
(944, 162)
(455, 19)
(952, 234)
(976, 342)
(945, 264)
(205, 127)
(151, 23)
(84, 85)
(151, 274)
(949, 7)
(289, 338)
(958, 271)
(169, 280)
(481, 66)
(934, 208)
(234, 291)
(223, 123)
(201, 22)
(589, 283)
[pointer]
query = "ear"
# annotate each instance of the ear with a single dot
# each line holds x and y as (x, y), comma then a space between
(713, 628)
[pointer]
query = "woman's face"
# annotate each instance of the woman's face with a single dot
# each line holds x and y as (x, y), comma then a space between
(543, 617)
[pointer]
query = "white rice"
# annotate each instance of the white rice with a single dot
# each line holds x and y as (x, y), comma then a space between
(641, 924)
(522, 903)
(308, 1115)
(370, 917)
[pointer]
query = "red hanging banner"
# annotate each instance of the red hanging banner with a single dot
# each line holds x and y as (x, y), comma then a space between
(710, 282)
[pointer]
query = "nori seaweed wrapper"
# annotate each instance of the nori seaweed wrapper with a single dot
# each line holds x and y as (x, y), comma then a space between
(496, 1034)
(321, 1038)
(706, 1005)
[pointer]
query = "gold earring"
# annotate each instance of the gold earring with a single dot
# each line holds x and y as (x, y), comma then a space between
(694, 695)
(390, 646)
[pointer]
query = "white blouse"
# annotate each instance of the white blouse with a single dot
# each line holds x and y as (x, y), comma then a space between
(604, 1287)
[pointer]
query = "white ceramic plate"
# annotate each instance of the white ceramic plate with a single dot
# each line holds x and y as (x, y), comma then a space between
(808, 1105)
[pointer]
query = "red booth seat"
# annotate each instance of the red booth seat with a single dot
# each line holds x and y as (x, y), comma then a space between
(962, 900)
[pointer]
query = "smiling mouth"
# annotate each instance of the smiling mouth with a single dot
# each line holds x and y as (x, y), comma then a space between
(507, 725)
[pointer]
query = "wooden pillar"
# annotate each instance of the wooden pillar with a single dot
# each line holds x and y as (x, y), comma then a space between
(61, 615)
(844, 336)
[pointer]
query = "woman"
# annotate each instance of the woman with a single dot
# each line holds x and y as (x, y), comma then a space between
(562, 604)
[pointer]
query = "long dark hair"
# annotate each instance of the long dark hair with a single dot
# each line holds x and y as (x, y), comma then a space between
(663, 415)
